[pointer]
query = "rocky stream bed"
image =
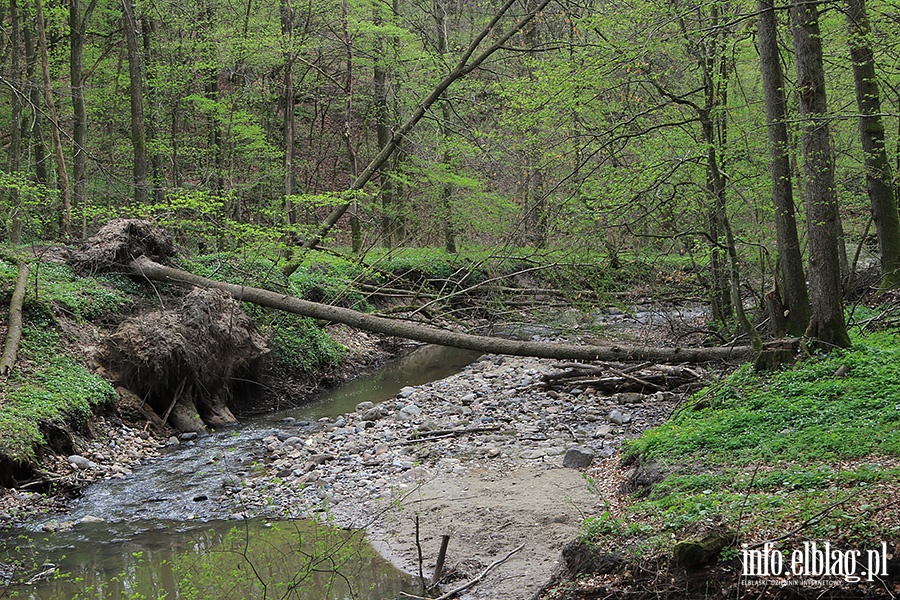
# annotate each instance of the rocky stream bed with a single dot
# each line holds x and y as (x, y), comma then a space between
(488, 456)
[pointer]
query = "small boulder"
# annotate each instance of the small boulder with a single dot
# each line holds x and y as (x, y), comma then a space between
(80, 462)
(578, 457)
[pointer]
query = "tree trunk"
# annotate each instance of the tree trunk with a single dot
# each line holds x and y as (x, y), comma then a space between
(65, 214)
(287, 30)
(146, 268)
(355, 231)
(77, 27)
(157, 160)
(463, 68)
(136, 94)
(14, 324)
(32, 128)
(446, 207)
(392, 229)
(879, 182)
(15, 124)
(827, 319)
(791, 281)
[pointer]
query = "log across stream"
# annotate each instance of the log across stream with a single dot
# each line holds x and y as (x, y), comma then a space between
(166, 523)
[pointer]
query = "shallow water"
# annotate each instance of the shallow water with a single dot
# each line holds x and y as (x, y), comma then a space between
(164, 535)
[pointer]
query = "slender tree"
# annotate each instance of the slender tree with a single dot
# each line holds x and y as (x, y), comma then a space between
(65, 213)
(287, 32)
(15, 125)
(879, 180)
(446, 207)
(78, 21)
(136, 95)
(788, 301)
(826, 322)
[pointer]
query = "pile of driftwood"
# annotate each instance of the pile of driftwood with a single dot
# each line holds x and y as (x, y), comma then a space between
(644, 378)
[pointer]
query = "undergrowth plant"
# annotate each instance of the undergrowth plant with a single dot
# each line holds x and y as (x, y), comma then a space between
(806, 451)
(50, 387)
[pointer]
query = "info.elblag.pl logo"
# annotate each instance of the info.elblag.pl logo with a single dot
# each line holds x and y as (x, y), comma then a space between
(814, 560)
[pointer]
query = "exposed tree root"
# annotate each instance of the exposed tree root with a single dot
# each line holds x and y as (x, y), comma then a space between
(184, 360)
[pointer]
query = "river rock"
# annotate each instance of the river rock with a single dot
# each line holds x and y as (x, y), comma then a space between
(533, 454)
(406, 392)
(90, 519)
(630, 398)
(602, 431)
(578, 457)
(362, 407)
(616, 417)
(411, 410)
(80, 462)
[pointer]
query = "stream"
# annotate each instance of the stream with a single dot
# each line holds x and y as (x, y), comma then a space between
(163, 533)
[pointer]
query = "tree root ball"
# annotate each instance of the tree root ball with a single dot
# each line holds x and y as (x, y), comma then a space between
(184, 362)
(119, 242)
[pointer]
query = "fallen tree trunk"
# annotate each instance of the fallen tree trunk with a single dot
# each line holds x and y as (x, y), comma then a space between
(14, 325)
(145, 267)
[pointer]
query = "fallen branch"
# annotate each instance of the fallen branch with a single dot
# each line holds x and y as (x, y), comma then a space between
(442, 434)
(14, 327)
(149, 269)
(480, 576)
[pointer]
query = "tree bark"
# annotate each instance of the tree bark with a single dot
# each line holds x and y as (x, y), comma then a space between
(446, 207)
(65, 215)
(392, 227)
(136, 94)
(77, 27)
(287, 30)
(352, 161)
(826, 322)
(14, 325)
(157, 160)
(15, 125)
(144, 267)
(871, 130)
(791, 282)
(32, 128)
(463, 68)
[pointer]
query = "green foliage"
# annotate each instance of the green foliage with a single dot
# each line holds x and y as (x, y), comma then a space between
(23, 198)
(84, 298)
(593, 527)
(50, 388)
(799, 414)
(769, 451)
(298, 344)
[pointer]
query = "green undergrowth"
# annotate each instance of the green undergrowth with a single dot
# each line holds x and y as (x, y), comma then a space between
(801, 453)
(49, 388)
(298, 344)
(57, 287)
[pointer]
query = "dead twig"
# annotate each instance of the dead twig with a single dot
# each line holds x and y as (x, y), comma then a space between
(442, 434)
(480, 576)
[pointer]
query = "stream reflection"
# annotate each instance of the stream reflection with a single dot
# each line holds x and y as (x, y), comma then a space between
(215, 560)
